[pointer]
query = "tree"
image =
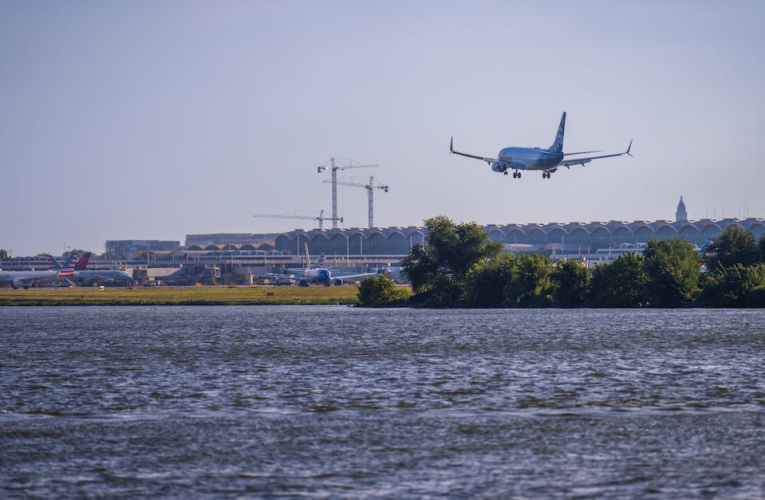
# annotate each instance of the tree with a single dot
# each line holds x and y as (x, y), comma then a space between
(438, 269)
(76, 251)
(4, 254)
(486, 281)
(532, 285)
(572, 281)
(733, 246)
(672, 269)
(761, 249)
(620, 283)
(737, 286)
(377, 291)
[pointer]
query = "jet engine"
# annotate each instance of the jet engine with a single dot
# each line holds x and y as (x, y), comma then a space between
(498, 166)
(337, 282)
(16, 284)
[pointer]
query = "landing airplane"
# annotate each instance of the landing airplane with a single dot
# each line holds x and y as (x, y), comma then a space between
(88, 277)
(17, 279)
(323, 276)
(547, 160)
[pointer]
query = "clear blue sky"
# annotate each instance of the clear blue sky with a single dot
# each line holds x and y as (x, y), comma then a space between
(159, 119)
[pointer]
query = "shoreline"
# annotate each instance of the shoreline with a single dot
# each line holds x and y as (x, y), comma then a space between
(180, 296)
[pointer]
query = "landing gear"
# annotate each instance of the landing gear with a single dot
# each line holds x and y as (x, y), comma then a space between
(546, 175)
(516, 175)
(505, 172)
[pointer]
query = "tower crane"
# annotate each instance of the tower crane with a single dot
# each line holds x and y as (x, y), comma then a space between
(335, 165)
(320, 218)
(370, 191)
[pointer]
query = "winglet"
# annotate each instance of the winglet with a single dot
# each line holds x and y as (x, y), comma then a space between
(628, 149)
(451, 145)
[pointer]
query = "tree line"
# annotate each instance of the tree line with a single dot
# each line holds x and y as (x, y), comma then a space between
(460, 266)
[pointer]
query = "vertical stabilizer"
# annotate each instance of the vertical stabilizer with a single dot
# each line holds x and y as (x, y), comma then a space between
(307, 257)
(557, 146)
(83, 262)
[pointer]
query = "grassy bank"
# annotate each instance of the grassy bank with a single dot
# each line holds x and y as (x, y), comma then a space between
(180, 296)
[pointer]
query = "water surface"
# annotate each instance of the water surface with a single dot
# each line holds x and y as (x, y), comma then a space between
(336, 401)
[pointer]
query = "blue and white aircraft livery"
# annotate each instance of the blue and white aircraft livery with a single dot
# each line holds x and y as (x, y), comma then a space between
(322, 276)
(547, 160)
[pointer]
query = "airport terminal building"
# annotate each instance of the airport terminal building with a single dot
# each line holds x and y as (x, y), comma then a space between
(568, 238)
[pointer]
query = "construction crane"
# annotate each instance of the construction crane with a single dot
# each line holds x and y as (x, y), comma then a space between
(335, 165)
(320, 218)
(370, 191)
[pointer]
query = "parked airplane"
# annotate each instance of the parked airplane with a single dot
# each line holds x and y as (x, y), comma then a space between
(547, 160)
(17, 279)
(323, 276)
(88, 277)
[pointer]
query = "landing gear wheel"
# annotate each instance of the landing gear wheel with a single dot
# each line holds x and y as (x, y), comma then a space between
(519, 175)
(505, 173)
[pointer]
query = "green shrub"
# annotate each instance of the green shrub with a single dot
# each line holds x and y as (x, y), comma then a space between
(532, 285)
(380, 291)
(737, 286)
(486, 281)
(572, 283)
(672, 270)
(620, 283)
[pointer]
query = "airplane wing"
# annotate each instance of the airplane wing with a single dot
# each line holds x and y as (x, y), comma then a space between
(484, 158)
(582, 161)
(354, 277)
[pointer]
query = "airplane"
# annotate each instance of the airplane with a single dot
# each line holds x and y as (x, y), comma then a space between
(322, 276)
(17, 279)
(88, 277)
(547, 160)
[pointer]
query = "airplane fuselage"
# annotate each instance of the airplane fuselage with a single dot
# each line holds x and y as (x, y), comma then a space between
(526, 159)
(18, 278)
(107, 275)
(319, 275)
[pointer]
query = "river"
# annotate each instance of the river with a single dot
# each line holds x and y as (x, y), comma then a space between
(327, 401)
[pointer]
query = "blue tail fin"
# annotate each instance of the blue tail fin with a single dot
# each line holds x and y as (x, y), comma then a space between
(557, 146)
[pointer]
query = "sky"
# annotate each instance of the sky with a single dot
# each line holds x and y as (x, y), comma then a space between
(157, 119)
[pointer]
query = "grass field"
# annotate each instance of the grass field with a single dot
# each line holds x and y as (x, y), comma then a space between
(258, 295)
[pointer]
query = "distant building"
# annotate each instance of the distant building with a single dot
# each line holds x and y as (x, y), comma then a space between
(681, 215)
(222, 239)
(559, 238)
(127, 249)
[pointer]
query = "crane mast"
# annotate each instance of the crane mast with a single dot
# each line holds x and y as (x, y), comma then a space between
(370, 193)
(335, 165)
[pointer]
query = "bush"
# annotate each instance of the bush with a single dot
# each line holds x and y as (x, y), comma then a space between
(532, 285)
(485, 282)
(737, 286)
(380, 291)
(672, 270)
(620, 283)
(572, 282)
(733, 246)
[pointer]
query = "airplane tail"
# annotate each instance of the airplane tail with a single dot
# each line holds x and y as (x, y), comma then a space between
(307, 258)
(557, 146)
(68, 268)
(83, 262)
(321, 260)
(53, 263)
